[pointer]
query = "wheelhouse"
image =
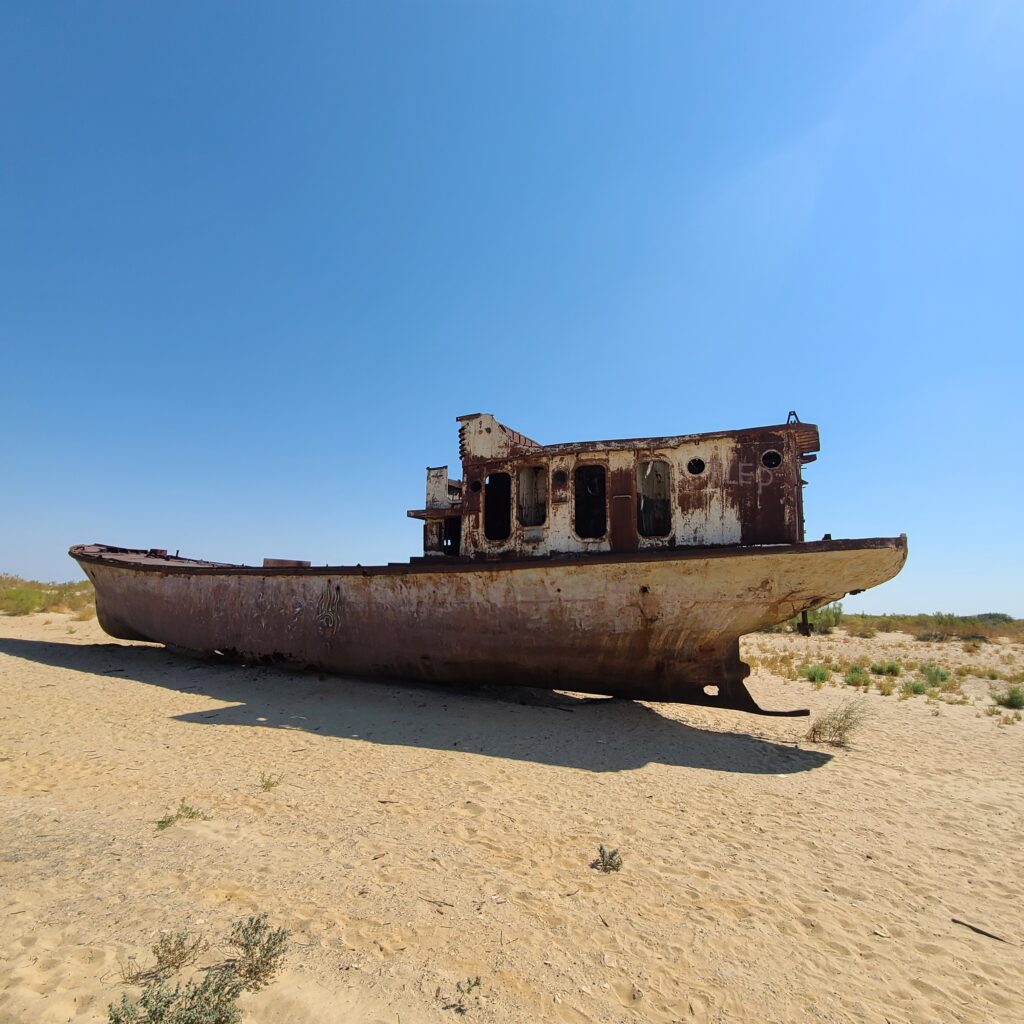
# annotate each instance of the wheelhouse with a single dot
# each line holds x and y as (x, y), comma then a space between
(520, 499)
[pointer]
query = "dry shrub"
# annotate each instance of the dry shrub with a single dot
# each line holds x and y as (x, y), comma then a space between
(261, 950)
(839, 724)
(211, 1001)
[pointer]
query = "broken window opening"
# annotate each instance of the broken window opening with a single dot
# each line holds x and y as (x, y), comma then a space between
(498, 506)
(653, 499)
(590, 512)
(451, 536)
(533, 495)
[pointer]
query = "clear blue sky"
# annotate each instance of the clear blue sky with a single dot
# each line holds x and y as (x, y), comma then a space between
(255, 258)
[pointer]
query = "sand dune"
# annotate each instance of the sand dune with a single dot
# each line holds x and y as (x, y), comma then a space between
(419, 838)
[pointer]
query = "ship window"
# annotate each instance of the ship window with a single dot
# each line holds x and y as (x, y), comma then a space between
(591, 513)
(771, 459)
(653, 499)
(498, 506)
(695, 466)
(451, 535)
(533, 495)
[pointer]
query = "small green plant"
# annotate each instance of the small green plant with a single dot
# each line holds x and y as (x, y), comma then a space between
(913, 688)
(464, 989)
(815, 673)
(184, 812)
(268, 781)
(885, 668)
(933, 675)
(1012, 698)
(607, 860)
(839, 724)
(261, 951)
(857, 676)
(211, 1001)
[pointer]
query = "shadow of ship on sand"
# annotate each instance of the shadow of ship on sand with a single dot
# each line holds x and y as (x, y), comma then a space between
(593, 734)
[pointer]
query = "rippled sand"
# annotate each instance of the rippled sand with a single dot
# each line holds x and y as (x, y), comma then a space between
(419, 838)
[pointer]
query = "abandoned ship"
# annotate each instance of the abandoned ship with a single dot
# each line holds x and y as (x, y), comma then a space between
(629, 568)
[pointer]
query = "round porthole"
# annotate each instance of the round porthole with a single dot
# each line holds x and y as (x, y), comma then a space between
(474, 485)
(559, 478)
(771, 459)
(695, 467)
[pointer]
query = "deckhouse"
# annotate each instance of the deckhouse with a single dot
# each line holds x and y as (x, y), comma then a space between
(519, 499)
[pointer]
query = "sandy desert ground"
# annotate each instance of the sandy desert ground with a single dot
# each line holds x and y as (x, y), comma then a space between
(420, 838)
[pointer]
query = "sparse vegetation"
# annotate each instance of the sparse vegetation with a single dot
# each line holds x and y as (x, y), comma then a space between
(1012, 697)
(211, 1001)
(24, 597)
(184, 812)
(821, 620)
(268, 781)
(857, 676)
(886, 668)
(172, 951)
(839, 724)
(607, 860)
(913, 687)
(176, 950)
(941, 626)
(937, 627)
(261, 950)
(824, 620)
(464, 990)
(815, 673)
(885, 686)
(934, 676)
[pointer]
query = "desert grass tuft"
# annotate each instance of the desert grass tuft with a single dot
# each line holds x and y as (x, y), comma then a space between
(815, 673)
(1012, 697)
(913, 687)
(269, 781)
(886, 668)
(933, 675)
(184, 812)
(857, 676)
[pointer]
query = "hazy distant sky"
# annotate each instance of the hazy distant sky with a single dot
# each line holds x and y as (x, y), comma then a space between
(255, 258)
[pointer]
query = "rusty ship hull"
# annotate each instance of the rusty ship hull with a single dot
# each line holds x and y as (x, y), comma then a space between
(659, 625)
